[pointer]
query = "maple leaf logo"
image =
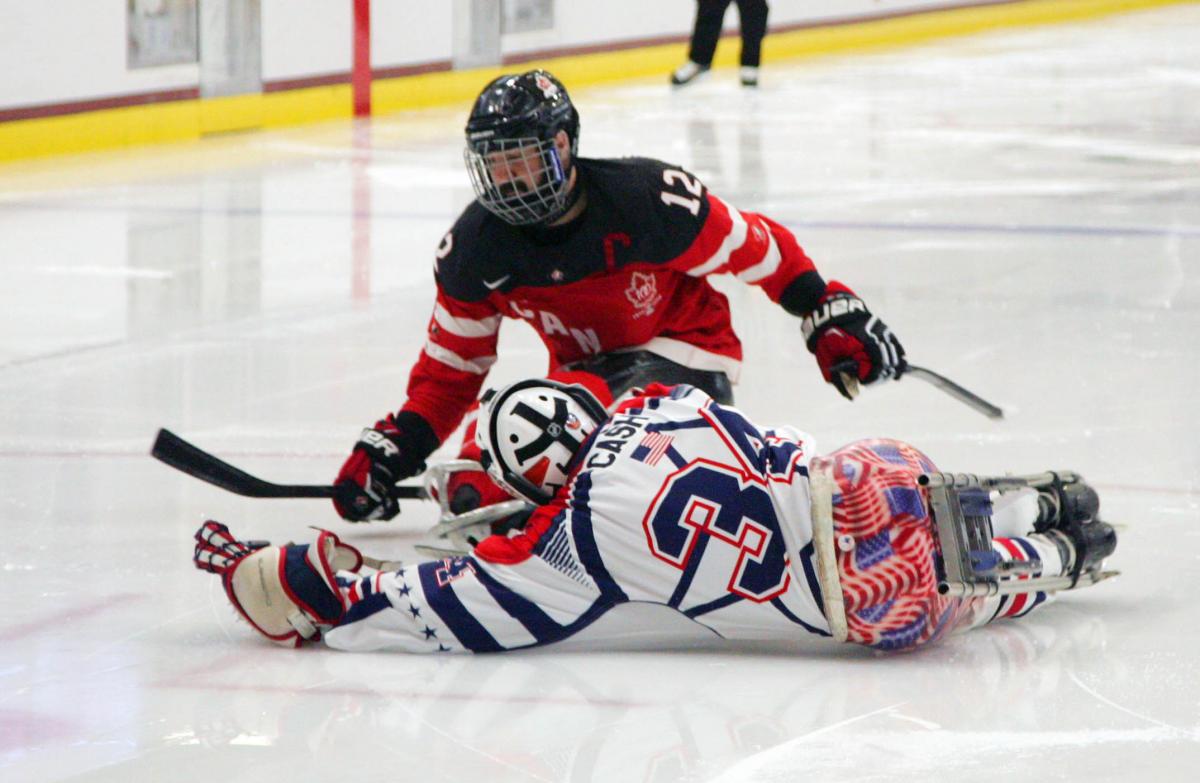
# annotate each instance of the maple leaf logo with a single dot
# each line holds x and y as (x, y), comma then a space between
(549, 89)
(643, 294)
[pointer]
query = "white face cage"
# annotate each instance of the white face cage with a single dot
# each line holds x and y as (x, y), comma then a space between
(521, 181)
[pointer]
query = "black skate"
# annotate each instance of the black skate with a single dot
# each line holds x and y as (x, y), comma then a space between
(1069, 510)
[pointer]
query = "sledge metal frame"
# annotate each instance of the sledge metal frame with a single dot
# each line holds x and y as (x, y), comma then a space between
(453, 528)
(968, 567)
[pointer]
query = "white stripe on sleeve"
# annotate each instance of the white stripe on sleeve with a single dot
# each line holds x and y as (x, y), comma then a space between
(764, 268)
(477, 366)
(465, 327)
(736, 238)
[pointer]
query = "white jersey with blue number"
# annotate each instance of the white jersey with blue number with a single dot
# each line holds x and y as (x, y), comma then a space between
(675, 500)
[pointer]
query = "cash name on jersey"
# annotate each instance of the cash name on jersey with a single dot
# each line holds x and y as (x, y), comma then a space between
(614, 438)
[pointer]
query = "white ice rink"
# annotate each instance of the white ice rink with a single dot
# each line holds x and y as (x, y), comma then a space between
(1023, 208)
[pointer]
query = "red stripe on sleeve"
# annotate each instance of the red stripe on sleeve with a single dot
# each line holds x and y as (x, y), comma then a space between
(712, 235)
(474, 310)
(441, 394)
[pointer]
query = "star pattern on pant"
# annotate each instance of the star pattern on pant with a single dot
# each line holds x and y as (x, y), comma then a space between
(405, 591)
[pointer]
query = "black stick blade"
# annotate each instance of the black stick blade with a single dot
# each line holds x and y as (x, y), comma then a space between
(198, 463)
(181, 455)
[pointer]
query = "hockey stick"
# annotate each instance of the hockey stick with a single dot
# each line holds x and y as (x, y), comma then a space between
(850, 383)
(194, 461)
(955, 391)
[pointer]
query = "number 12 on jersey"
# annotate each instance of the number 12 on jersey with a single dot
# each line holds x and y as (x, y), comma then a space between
(674, 178)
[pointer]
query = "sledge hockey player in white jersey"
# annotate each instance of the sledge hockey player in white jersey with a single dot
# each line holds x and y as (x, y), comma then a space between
(675, 500)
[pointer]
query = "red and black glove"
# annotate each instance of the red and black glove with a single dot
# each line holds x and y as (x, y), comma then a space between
(847, 339)
(394, 449)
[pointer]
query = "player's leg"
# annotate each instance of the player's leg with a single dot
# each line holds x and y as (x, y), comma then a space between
(1063, 535)
(710, 15)
(1047, 559)
(876, 535)
(753, 15)
(637, 369)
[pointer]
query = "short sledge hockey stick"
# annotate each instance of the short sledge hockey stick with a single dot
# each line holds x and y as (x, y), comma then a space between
(194, 461)
(942, 382)
(955, 391)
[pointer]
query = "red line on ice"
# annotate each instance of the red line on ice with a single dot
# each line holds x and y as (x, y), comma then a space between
(49, 622)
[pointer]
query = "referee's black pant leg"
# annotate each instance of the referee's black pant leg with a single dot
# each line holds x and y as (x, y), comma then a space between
(710, 15)
(753, 15)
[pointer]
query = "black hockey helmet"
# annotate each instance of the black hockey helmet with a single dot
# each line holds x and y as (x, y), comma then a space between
(510, 132)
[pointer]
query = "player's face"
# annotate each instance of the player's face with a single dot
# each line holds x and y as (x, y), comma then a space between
(520, 171)
(516, 171)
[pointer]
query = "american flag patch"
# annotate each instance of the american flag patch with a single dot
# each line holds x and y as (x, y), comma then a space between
(652, 447)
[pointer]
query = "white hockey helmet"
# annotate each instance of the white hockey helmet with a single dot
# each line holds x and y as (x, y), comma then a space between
(530, 430)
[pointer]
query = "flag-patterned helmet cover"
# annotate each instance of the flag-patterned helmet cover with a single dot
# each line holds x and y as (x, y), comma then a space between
(886, 546)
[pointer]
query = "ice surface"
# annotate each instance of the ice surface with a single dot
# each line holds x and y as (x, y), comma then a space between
(1022, 208)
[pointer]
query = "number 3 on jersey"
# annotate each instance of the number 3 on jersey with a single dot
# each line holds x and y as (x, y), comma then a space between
(710, 500)
(674, 178)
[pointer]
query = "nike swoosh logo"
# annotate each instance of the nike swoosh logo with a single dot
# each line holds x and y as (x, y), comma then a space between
(492, 285)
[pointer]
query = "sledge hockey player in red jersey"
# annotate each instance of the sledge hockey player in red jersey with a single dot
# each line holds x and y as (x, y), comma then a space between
(606, 260)
(679, 501)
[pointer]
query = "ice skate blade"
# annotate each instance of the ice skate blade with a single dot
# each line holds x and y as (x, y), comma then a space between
(1042, 584)
(439, 552)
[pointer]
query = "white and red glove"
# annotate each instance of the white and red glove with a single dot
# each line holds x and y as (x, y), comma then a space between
(850, 343)
(288, 593)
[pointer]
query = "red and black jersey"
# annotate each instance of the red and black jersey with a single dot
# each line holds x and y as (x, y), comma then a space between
(629, 273)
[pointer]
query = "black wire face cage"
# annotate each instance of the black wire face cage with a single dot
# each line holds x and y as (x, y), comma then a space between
(501, 170)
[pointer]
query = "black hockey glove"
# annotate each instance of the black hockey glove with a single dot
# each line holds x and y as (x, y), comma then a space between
(850, 343)
(394, 449)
